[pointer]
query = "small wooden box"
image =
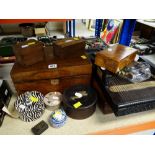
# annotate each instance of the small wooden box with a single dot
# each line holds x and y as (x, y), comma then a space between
(46, 79)
(29, 52)
(115, 58)
(69, 47)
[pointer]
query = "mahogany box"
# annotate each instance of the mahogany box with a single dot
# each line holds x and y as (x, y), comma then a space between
(48, 51)
(102, 102)
(29, 52)
(68, 47)
(115, 58)
(53, 75)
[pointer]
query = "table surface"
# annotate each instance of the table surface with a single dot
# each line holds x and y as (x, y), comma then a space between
(98, 123)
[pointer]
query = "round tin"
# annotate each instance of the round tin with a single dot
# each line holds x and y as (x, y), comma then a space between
(30, 105)
(79, 101)
(58, 118)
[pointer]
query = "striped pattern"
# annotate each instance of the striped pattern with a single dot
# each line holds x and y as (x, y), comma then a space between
(29, 110)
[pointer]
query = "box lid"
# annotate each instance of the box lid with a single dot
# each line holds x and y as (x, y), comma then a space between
(68, 41)
(27, 43)
(116, 52)
(58, 68)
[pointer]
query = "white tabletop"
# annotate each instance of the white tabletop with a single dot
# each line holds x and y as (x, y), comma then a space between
(97, 122)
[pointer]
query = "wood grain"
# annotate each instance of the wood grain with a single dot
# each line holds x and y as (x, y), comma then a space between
(68, 47)
(39, 77)
(46, 86)
(115, 58)
(66, 67)
(102, 102)
(29, 55)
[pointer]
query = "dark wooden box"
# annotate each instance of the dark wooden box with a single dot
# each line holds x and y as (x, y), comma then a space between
(115, 58)
(69, 47)
(29, 52)
(102, 102)
(48, 50)
(41, 78)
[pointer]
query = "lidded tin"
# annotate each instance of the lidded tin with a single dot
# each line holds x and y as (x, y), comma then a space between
(79, 101)
(30, 105)
(58, 118)
(53, 100)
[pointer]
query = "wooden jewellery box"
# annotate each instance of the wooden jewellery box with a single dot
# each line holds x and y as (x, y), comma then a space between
(54, 75)
(115, 58)
(68, 47)
(29, 52)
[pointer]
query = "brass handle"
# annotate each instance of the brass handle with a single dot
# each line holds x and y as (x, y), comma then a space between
(54, 81)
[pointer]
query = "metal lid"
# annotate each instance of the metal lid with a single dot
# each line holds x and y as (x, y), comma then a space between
(79, 96)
